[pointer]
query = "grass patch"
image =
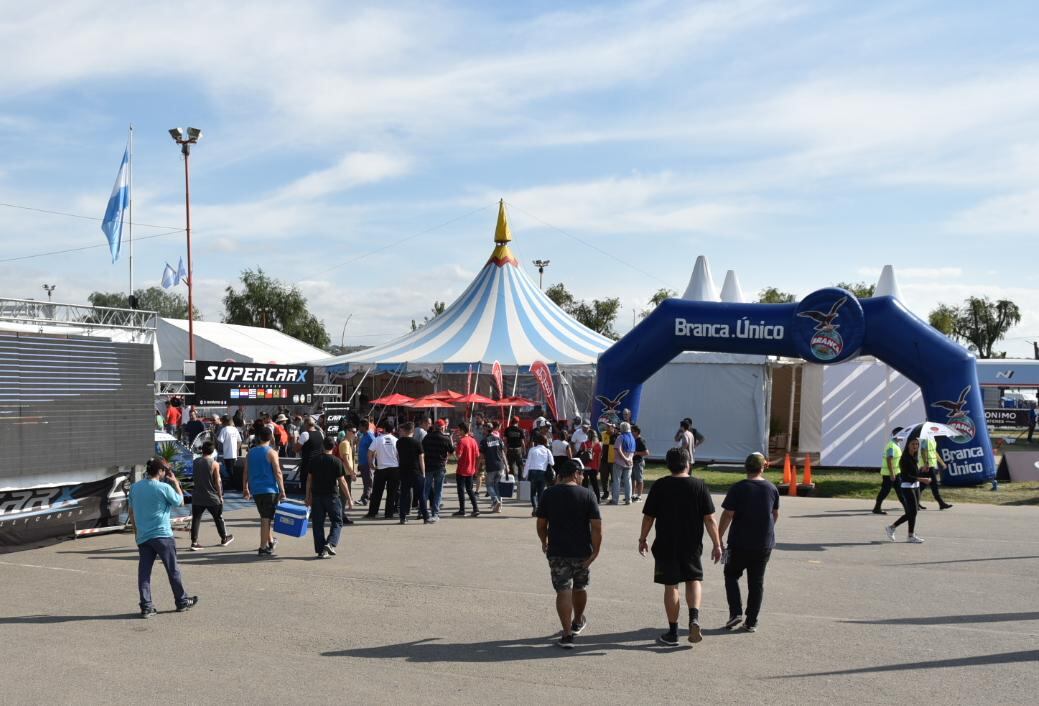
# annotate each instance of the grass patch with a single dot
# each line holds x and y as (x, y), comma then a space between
(862, 485)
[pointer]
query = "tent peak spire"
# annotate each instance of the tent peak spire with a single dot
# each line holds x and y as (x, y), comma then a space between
(502, 237)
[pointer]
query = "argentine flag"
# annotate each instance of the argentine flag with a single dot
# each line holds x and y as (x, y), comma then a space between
(169, 276)
(112, 224)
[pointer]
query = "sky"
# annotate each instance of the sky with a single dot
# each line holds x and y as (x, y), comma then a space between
(358, 151)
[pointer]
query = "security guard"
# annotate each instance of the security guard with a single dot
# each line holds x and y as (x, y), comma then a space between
(932, 464)
(889, 472)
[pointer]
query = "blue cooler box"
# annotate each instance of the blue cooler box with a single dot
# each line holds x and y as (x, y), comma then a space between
(291, 519)
(507, 488)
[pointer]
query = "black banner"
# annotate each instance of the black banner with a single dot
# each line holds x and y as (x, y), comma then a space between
(222, 384)
(38, 514)
(1005, 418)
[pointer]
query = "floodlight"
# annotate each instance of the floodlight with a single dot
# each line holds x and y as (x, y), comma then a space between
(177, 134)
(194, 134)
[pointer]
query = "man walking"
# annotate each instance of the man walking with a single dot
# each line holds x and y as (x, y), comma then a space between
(681, 507)
(515, 441)
(492, 451)
(468, 452)
(570, 529)
(229, 441)
(932, 466)
(151, 500)
(382, 456)
(889, 472)
(207, 494)
(625, 455)
(325, 482)
(436, 447)
(412, 469)
(750, 513)
(363, 446)
(638, 464)
(263, 482)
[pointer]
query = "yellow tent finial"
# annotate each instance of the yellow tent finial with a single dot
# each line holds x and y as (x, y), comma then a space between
(502, 234)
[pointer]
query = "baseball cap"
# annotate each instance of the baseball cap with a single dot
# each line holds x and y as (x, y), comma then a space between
(441, 423)
(515, 420)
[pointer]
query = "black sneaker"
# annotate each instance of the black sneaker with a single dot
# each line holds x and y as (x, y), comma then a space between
(474, 513)
(195, 547)
(668, 638)
(460, 513)
(330, 549)
(879, 512)
(750, 627)
(274, 543)
(226, 540)
(734, 620)
(578, 627)
(404, 520)
(148, 612)
(695, 633)
(566, 642)
(264, 551)
(946, 506)
(347, 520)
(192, 602)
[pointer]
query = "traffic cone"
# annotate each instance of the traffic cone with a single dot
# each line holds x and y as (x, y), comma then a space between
(786, 469)
(808, 470)
(792, 492)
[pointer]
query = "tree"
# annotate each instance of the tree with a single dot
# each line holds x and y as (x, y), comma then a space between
(859, 289)
(266, 302)
(771, 295)
(598, 315)
(168, 305)
(438, 309)
(980, 322)
(658, 297)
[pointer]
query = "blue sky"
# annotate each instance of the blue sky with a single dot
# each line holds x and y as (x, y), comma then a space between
(798, 143)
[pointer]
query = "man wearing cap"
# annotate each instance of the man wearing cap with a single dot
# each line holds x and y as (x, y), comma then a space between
(436, 447)
(751, 510)
(382, 456)
(889, 472)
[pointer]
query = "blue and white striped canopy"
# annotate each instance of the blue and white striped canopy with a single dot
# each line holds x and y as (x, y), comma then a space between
(502, 316)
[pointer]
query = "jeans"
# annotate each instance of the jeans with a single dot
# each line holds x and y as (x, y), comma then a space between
(217, 513)
(621, 477)
(325, 507)
(412, 484)
(228, 469)
(385, 480)
(514, 458)
(433, 489)
(754, 563)
(165, 549)
(366, 480)
(492, 485)
(465, 486)
(537, 487)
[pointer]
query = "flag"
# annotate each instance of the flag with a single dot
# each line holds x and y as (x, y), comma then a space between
(541, 372)
(169, 277)
(112, 224)
(182, 272)
(496, 374)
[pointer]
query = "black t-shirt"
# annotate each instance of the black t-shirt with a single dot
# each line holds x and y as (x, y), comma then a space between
(408, 451)
(679, 505)
(437, 446)
(640, 447)
(314, 446)
(752, 503)
(569, 509)
(493, 451)
(192, 429)
(514, 437)
(325, 470)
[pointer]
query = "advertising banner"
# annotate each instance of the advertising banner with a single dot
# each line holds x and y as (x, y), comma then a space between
(496, 374)
(1006, 418)
(221, 384)
(39, 514)
(539, 369)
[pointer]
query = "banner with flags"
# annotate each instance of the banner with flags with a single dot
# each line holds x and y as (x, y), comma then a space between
(541, 372)
(118, 203)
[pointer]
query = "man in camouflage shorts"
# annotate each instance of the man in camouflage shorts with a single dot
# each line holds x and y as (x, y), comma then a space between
(570, 529)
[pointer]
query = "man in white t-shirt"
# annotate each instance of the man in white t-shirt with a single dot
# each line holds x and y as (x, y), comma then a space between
(579, 436)
(230, 442)
(382, 456)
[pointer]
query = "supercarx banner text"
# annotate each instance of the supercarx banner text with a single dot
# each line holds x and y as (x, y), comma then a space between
(222, 384)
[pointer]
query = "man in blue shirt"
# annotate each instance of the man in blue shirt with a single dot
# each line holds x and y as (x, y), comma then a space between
(365, 443)
(151, 500)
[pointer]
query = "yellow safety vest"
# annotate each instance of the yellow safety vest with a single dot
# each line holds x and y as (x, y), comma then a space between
(894, 453)
(929, 451)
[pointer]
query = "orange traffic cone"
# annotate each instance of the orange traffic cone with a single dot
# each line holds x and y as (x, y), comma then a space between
(792, 492)
(808, 470)
(786, 469)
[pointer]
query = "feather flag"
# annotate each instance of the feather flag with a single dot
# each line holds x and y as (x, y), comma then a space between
(118, 203)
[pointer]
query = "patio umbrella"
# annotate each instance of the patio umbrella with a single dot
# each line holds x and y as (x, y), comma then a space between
(393, 400)
(474, 398)
(514, 402)
(445, 395)
(924, 430)
(429, 402)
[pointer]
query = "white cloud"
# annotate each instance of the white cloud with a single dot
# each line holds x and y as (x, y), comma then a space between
(1011, 214)
(352, 170)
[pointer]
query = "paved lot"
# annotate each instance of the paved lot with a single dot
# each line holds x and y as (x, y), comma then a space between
(461, 612)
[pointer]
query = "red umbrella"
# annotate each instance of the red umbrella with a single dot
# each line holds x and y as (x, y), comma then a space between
(514, 402)
(429, 403)
(474, 398)
(393, 400)
(445, 395)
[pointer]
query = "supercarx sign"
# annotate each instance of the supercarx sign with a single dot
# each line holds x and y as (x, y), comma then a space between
(222, 384)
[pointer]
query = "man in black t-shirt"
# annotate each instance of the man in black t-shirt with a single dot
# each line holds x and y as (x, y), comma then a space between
(436, 447)
(514, 444)
(752, 508)
(570, 528)
(412, 473)
(325, 480)
(681, 507)
(492, 455)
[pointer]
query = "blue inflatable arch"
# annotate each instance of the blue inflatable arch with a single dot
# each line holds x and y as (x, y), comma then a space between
(827, 326)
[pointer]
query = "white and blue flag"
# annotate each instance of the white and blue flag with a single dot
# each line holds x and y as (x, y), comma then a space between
(169, 277)
(119, 202)
(182, 273)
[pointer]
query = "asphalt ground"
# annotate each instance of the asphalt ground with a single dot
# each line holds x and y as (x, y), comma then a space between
(462, 612)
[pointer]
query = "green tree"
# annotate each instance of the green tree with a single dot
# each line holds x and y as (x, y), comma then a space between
(981, 323)
(168, 305)
(264, 301)
(771, 295)
(438, 309)
(598, 314)
(658, 297)
(859, 289)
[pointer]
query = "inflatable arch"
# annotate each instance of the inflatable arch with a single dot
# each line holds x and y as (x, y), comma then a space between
(827, 326)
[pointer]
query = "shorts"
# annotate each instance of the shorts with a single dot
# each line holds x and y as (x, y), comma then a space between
(266, 503)
(673, 570)
(636, 472)
(568, 573)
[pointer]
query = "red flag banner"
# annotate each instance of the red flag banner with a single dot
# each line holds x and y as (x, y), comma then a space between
(496, 374)
(469, 381)
(539, 369)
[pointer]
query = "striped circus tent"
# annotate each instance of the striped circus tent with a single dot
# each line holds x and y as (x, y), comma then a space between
(502, 316)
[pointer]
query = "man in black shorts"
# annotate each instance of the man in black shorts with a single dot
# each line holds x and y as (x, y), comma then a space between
(570, 529)
(682, 507)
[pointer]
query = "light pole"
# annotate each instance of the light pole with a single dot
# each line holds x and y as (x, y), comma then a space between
(49, 288)
(193, 136)
(541, 265)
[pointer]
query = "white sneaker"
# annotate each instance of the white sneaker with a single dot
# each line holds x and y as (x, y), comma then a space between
(890, 532)
(913, 539)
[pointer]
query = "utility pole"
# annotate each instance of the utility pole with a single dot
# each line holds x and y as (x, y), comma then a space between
(541, 265)
(193, 136)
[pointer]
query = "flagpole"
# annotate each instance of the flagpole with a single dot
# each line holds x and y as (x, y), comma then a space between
(130, 182)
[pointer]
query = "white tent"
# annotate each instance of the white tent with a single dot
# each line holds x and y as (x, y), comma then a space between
(726, 395)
